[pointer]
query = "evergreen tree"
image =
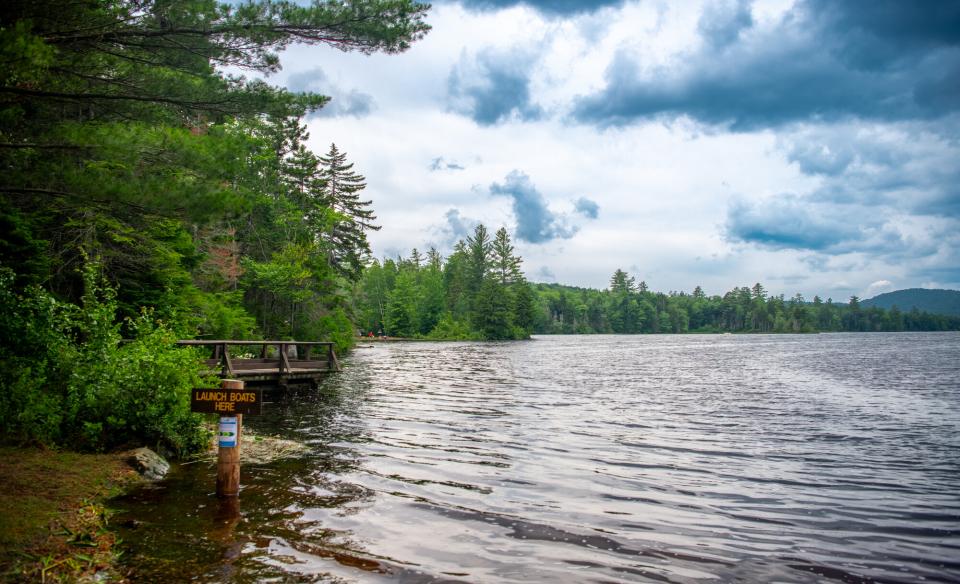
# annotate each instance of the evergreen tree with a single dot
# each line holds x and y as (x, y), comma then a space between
(401, 317)
(432, 297)
(524, 307)
(456, 276)
(479, 253)
(341, 192)
(416, 259)
(492, 314)
(506, 266)
(621, 282)
(434, 259)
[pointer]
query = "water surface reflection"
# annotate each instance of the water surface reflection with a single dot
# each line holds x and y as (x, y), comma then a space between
(593, 459)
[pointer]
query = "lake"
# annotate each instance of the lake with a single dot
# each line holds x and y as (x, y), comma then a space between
(695, 458)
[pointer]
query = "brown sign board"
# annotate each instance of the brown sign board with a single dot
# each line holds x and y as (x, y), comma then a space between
(227, 401)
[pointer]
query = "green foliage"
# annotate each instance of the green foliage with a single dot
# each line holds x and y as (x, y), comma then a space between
(123, 136)
(337, 327)
(628, 309)
(222, 316)
(443, 300)
(72, 381)
(479, 293)
(401, 316)
(492, 311)
(449, 329)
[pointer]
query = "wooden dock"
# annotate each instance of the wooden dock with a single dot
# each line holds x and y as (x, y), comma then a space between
(279, 362)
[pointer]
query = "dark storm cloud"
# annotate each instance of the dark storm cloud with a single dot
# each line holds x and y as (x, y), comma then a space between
(787, 222)
(587, 208)
(342, 103)
(536, 223)
(826, 60)
(550, 7)
(493, 87)
(909, 167)
(722, 22)
(814, 158)
(804, 224)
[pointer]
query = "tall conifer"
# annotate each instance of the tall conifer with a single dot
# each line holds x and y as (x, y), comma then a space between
(341, 192)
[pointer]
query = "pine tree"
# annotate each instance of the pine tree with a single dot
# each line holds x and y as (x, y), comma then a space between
(434, 259)
(343, 187)
(479, 253)
(416, 259)
(432, 298)
(401, 317)
(506, 266)
(341, 192)
(621, 282)
(523, 307)
(492, 312)
(455, 281)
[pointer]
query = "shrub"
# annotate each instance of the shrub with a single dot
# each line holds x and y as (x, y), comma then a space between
(449, 329)
(70, 380)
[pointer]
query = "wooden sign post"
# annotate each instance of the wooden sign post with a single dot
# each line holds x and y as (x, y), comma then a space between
(231, 401)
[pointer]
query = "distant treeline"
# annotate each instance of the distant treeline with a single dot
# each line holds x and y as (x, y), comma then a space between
(479, 292)
(627, 307)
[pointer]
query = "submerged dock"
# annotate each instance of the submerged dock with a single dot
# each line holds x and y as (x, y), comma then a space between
(278, 362)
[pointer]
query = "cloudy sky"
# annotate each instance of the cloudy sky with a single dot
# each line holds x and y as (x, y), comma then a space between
(811, 145)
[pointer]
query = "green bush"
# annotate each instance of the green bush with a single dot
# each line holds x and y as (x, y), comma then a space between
(449, 329)
(337, 327)
(70, 380)
(222, 316)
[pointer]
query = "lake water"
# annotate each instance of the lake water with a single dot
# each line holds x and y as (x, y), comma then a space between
(780, 458)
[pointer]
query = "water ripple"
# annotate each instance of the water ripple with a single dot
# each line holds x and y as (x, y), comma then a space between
(610, 459)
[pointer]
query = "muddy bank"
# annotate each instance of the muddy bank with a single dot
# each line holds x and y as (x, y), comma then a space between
(54, 525)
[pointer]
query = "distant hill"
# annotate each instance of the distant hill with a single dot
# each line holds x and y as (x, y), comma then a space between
(933, 301)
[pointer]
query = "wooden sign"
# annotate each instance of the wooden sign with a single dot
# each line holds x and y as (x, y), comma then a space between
(227, 401)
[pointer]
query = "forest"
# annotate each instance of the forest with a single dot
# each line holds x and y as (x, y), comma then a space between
(479, 292)
(155, 188)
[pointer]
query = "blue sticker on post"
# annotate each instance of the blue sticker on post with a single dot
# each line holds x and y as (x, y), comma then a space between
(228, 432)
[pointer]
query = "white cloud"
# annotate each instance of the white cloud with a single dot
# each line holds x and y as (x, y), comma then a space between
(663, 189)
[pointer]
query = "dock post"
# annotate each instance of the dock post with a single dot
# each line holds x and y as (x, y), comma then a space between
(228, 454)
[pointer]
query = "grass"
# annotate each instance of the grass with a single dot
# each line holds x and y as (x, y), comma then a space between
(53, 525)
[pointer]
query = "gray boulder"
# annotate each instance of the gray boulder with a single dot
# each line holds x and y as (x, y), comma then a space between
(148, 463)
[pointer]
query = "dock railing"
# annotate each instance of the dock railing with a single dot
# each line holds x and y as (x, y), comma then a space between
(280, 360)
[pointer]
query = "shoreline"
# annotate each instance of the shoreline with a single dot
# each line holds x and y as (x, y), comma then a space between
(54, 519)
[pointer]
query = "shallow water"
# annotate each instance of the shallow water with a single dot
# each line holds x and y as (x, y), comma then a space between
(591, 459)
